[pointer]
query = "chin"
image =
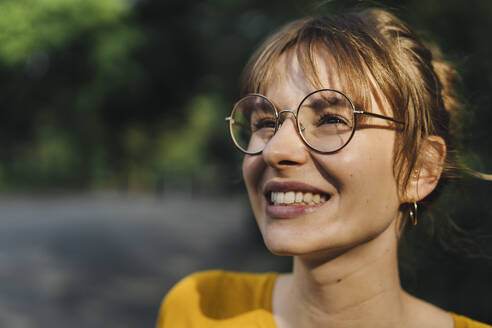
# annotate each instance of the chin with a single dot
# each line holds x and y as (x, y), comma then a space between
(312, 253)
(287, 240)
(280, 248)
(283, 242)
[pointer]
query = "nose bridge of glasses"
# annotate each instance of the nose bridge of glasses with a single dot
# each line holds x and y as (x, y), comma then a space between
(282, 142)
(281, 117)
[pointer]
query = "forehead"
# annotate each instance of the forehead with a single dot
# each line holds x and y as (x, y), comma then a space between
(291, 81)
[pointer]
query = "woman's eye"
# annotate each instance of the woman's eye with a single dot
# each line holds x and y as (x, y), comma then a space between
(331, 119)
(264, 124)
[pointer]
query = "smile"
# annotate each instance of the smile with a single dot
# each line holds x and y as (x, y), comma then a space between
(291, 199)
(296, 198)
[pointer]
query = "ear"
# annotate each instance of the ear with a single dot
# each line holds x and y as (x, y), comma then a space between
(428, 169)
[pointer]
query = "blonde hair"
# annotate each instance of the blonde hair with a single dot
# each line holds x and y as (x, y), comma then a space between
(376, 54)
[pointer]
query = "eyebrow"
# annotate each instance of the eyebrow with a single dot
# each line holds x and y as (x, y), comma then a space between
(332, 101)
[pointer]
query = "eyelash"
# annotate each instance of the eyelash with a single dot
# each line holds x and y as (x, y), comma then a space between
(261, 124)
(323, 118)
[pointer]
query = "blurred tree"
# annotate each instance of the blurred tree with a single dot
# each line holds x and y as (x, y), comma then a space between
(131, 94)
(58, 60)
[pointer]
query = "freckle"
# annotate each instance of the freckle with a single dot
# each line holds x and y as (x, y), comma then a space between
(339, 280)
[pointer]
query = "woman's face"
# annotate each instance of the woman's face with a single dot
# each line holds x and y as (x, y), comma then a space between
(357, 182)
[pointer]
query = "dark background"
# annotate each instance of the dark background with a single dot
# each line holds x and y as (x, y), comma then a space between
(117, 176)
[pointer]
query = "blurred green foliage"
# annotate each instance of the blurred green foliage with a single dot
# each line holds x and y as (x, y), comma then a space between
(59, 60)
(132, 94)
(28, 26)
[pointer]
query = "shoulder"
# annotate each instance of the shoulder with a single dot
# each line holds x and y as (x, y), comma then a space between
(191, 285)
(207, 295)
(430, 315)
(464, 322)
(220, 283)
(189, 291)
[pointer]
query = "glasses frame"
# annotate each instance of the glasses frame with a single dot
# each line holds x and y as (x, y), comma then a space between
(299, 129)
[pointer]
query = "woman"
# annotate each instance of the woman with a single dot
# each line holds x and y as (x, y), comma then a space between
(345, 123)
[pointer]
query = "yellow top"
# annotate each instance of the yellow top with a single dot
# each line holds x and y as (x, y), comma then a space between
(228, 299)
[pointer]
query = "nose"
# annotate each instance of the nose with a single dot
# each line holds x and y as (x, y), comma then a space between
(285, 148)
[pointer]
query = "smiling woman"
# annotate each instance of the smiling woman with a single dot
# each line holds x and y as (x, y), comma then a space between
(345, 125)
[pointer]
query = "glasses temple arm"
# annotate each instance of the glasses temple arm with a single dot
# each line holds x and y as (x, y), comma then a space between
(232, 121)
(378, 116)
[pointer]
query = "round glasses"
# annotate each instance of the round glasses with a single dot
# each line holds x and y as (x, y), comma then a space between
(326, 120)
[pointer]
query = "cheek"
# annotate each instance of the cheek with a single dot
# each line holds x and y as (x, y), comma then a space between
(367, 177)
(253, 171)
(372, 170)
(253, 168)
(373, 177)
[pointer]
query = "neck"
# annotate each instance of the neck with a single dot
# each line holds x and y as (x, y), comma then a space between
(359, 287)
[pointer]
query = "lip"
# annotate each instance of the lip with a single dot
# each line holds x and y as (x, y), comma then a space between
(291, 211)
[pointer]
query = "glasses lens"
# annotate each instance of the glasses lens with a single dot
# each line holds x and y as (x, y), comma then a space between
(326, 120)
(252, 123)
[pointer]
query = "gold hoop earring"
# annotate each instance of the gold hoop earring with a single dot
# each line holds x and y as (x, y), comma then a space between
(413, 213)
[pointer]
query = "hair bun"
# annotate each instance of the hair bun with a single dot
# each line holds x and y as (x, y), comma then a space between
(449, 79)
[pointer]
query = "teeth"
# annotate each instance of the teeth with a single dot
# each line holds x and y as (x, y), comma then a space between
(280, 198)
(296, 197)
(289, 197)
(308, 197)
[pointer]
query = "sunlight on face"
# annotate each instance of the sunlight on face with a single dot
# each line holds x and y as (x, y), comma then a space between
(356, 183)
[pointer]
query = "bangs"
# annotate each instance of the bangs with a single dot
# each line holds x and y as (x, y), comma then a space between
(340, 41)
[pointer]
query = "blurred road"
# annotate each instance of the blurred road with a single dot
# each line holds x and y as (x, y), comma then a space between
(106, 260)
